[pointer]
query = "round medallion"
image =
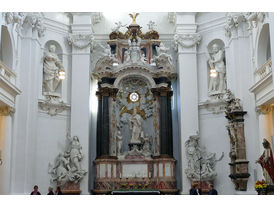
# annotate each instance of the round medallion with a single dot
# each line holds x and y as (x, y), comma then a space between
(134, 97)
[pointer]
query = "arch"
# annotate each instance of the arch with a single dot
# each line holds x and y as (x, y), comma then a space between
(6, 54)
(263, 46)
(138, 74)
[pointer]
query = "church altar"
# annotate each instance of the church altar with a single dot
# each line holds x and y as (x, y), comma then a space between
(134, 123)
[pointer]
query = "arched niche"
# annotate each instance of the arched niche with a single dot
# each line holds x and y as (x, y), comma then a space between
(220, 79)
(6, 54)
(263, 51)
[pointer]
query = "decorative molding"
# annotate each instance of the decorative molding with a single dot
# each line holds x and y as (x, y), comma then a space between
(6, 111)
(81, 41)
(187, 40)
(34, 20)
(53, 105)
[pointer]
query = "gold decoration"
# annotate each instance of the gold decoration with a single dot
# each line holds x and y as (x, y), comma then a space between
(134, 16)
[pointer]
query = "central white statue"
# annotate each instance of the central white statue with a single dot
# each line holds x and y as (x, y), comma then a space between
(135, 125)
(216, 61)
(52, 65)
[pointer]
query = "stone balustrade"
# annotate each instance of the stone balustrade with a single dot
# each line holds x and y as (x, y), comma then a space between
(263, 71)
(6, 73)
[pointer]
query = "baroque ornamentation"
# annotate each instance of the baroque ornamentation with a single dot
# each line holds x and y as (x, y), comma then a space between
(252, 19)
(33, 19)
(67, 165)
(53, 105)
(81, 41)
(118, 25)
(151, 25)
(201, 165)
(187, 40)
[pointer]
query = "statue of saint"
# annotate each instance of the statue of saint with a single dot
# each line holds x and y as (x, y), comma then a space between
(216, 61)
(52, 66)
(119, 138)
(267, 163)
(135, 125)
(75, 151)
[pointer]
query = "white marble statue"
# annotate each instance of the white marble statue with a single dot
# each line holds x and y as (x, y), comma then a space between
(135, 125)
(216, 61)
(163, 51)
(118, 26)
(135, 50)
(67, 166)
(119, 139)
(146, 145)
(200, 163)
(151, 25)
(126, 56)
(52, 66)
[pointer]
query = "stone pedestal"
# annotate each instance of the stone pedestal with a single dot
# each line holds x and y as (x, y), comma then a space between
(71, 188)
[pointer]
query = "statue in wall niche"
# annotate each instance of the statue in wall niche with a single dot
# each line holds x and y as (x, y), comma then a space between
(67, 165)
(200, 163)
(267, 163)
(135, 125)
(217, 82)
(52, 66)
(119, 139)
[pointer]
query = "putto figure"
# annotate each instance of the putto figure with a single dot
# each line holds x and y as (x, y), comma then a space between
(267, 163)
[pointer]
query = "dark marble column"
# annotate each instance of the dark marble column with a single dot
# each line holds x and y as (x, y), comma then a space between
(99, 124)
(103, 120)
(166, 142)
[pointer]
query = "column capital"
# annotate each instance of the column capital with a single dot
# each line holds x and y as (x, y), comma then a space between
(162, 91)
(6, 111)
(263, 109)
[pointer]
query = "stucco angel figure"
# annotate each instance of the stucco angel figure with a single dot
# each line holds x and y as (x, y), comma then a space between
(135, 125)
(52, 66)
(118, 26)
(267, 163)
(162, 50)
(216, 61)
(151, 25)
